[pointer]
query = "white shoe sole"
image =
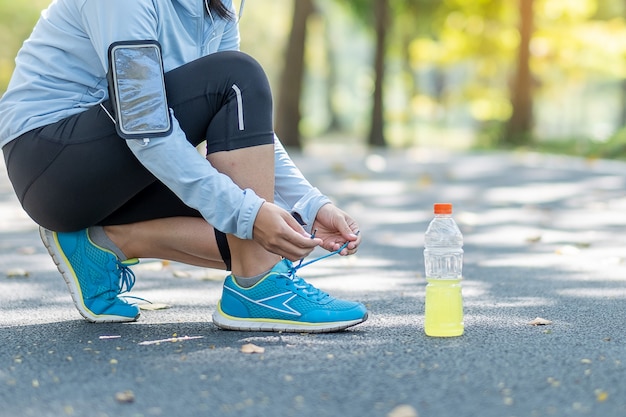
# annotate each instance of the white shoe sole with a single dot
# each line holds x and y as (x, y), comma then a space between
(224, 321)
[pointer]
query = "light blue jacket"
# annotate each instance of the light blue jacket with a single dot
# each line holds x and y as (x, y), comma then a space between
(61, 70)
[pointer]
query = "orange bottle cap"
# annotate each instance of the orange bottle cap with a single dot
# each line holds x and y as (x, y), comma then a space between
(443, 208)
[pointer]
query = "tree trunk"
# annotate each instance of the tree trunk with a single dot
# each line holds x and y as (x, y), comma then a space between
(377, 135)
(288, 108)
(519, 127)
(622, 115)
(622, 118)
(334, 122)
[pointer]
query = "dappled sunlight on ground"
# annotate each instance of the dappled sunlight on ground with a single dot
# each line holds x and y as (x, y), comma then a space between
(545, 237)
(528, 220)
(530, 193)
(615, 293)
(522, 215)
(510, 302)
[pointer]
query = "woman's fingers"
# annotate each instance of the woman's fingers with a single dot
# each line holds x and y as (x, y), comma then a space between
(278, 232)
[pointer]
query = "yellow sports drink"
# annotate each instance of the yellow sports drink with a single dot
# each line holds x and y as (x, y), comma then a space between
(444, 308)
(443, 262)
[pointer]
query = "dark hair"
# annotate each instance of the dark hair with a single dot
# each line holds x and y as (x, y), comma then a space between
(218, 7)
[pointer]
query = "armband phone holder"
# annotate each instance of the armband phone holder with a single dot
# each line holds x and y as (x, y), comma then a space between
(137, 89)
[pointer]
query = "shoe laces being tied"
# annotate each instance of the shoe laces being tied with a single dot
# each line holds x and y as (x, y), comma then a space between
(304, 287)
(126, 277)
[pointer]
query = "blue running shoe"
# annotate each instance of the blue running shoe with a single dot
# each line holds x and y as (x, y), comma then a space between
(284, 302)
(94, 276)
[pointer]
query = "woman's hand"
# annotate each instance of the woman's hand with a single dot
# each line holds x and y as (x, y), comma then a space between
(278, 232)
(335, 228)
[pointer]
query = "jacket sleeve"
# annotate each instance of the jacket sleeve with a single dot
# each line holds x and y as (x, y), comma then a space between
(172, 159)
(196, 182)
(139, 21)
(292, 190)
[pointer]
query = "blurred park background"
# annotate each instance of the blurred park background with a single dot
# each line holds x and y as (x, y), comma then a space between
(545, 75)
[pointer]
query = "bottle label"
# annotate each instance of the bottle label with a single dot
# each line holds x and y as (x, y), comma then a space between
(448, 265)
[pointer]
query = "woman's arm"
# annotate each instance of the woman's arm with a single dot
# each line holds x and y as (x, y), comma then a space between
(172, 159)
(176, 163)
(293, 191)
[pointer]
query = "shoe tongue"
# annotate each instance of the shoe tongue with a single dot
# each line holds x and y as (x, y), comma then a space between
(283, 267)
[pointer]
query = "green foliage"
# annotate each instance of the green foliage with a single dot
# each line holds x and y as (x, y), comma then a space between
(574, 43)
(17, 19)
(613, 148)
(449, 65)
(478, 38)
(606, 10)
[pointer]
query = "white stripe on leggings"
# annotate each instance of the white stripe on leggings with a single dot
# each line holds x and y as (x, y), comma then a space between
(239, 106)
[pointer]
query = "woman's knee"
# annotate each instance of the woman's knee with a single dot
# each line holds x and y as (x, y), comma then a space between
(241, 64)
(246, 72)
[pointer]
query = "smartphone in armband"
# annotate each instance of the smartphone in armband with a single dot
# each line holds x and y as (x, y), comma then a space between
(137, 89)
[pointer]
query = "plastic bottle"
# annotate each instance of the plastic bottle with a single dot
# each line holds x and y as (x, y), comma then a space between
(443, 259)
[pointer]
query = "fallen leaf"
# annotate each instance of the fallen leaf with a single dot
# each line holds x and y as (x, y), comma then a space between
(567, 250)
(601, 396)
(153, 306)
(17, 273)
(539, 322)
(533, 239)
(554, 382)
(252, 348)
(403, 410)
(170, 339)
(181, 274)
(125, 397)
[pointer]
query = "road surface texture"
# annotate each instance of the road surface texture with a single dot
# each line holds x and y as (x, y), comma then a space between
(545, 237)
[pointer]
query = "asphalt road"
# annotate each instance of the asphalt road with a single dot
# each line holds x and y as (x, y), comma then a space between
(544, 237)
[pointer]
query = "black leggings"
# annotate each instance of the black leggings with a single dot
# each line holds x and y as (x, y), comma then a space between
(78, 173)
